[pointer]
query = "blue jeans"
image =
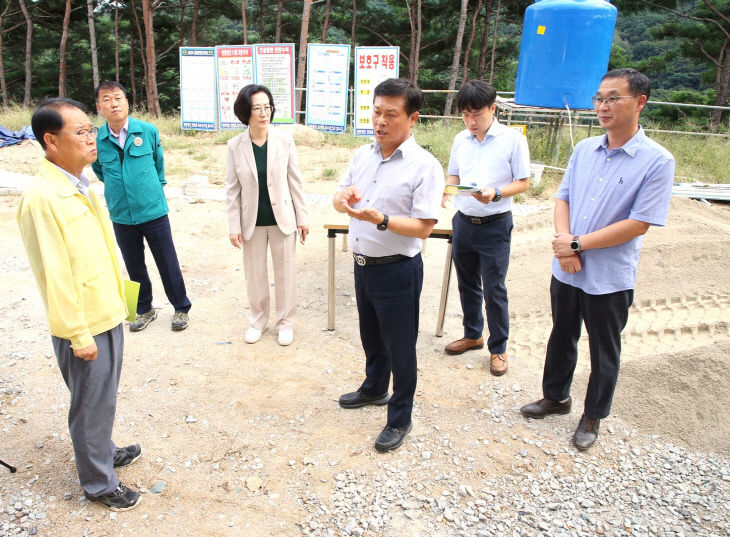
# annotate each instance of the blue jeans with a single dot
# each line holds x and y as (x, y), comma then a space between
(388, 299)
(605, 317)
(481, 258)
(158, 234)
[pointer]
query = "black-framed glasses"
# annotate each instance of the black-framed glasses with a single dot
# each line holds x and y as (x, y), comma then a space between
(82, 133)
(610, 101)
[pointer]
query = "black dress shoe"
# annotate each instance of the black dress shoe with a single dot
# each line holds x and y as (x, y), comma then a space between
(392, 437)
(545, 407)
(587, 432)
(358, 399)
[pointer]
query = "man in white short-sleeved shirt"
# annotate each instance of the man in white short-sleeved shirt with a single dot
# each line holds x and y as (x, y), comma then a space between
(392, 191)
(495, 160)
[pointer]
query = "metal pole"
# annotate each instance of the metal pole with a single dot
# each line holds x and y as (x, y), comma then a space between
(444, 291)
(331, 279)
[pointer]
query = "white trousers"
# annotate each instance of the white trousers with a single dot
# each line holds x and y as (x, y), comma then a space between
(283, 248)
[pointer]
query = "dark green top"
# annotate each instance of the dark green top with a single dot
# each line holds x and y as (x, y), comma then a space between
(265, 215)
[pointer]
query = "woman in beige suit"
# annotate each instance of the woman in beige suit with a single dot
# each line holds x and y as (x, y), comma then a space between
(265, 209)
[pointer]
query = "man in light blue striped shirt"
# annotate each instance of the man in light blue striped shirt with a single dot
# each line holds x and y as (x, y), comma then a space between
(614, 188)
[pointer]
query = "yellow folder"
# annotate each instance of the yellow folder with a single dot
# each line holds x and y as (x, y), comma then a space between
(131, 294)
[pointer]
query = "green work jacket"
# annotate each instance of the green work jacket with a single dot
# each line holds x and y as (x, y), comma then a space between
(133, 177)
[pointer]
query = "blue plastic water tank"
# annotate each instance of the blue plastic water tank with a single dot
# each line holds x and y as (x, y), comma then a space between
(566, 45)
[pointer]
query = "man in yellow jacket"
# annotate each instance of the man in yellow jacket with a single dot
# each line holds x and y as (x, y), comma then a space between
(70, 245)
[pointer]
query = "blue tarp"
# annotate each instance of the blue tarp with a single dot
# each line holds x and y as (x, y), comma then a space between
(8, 137)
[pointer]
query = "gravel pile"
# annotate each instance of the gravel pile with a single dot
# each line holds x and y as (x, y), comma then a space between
(656, 489)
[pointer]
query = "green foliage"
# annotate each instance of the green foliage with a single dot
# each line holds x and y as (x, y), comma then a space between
(653, 40)
(437, 135)
(699, 158)
(15, 117)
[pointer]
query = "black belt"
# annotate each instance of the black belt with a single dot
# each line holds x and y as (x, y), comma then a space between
(365, 261)
(484, 219)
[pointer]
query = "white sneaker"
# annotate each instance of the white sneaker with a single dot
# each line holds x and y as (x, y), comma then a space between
(286, 337)
(253, 334)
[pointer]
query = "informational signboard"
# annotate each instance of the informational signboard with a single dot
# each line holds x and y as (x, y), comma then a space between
(235, 70)
(372, 66)
(197, 88)
(328, 72)
(275, 70)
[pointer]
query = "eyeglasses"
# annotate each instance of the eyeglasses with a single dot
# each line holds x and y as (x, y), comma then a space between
(82, 133)
(610, 101)
(259, 109)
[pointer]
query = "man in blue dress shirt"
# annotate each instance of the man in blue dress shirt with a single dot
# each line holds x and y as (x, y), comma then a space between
(392, 192)
(615, 187)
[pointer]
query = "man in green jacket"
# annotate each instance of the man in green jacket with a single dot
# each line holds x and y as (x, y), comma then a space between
(131, 166)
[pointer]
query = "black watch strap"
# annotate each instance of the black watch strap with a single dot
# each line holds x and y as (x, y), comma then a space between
(384, 224)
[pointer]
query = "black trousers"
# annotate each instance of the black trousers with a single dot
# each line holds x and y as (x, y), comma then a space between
(158, 234)
(388, 299)
(605, 317)
(481, 258)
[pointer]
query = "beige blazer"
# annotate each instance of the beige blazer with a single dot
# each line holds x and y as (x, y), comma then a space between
(283, 177)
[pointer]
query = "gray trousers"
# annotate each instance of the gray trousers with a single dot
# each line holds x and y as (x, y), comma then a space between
(93, 387)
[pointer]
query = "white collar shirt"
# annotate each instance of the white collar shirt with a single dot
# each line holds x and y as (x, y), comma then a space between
(121, 136)
(81, 182)
(496, 161)
(409, 183)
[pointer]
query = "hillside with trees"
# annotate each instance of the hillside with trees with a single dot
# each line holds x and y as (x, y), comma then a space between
(62, 47)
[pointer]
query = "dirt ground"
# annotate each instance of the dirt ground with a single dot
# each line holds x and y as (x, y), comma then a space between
(242, 434)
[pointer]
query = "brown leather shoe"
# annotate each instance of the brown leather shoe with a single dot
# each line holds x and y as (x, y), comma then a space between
(462, 345)
(498, 364)
(587, 432)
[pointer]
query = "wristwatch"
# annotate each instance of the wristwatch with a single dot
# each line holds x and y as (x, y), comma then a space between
(382, 226)
(575, 245)
(497, 196)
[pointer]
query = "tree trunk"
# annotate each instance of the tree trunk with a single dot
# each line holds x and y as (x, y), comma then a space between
(153, 100)
(261, 22)
(28, 50)
(132, 78)
(141, 38)
(62, 50)
(326, 23)
(419, 37)
(3, 84)
(494, 41)
(457, 56)
(722, 87)
(279, 11)
(116, 40)
(302, 63)
(412, 51)
(92, 42)
(194, 26)
(485, 40)
(243, 20)
(183, 3)
(414, 56)
(470, 42)
(352, 31)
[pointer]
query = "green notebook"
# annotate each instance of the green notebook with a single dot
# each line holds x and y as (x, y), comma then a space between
(131, 294)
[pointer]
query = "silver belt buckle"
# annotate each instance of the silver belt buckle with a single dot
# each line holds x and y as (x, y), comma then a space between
(359, 259)
(475, 219)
